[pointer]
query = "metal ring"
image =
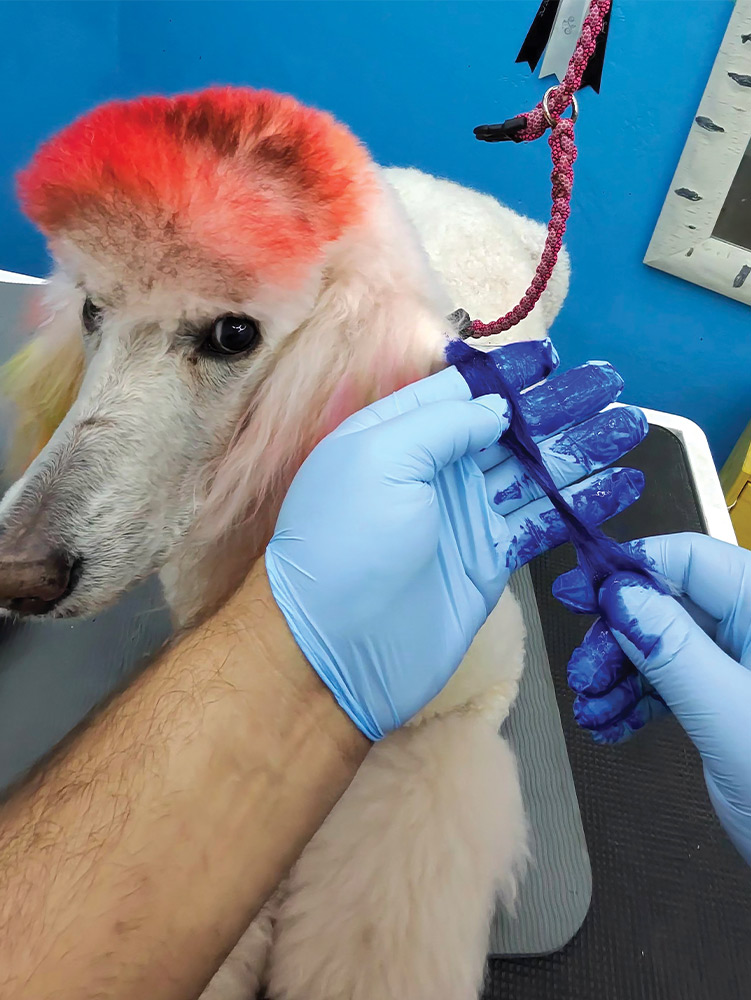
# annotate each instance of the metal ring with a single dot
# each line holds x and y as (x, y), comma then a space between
(546, 108)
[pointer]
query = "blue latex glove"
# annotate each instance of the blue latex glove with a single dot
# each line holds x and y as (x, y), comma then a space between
(694, 653)
(400, 532)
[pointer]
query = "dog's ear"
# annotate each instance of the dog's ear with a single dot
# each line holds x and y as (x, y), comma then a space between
(43, 378)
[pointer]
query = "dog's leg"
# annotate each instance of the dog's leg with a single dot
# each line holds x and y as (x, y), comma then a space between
(241, 976)
(393, 896)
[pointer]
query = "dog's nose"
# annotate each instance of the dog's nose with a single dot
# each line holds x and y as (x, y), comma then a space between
(34, 576)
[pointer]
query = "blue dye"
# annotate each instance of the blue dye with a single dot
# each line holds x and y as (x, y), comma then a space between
(598, 664)
(596, 713)
(613, 700)
(570, 455)
(523, 362)
(618, 732)
(599, 556)
(512, 492)
(607, 494)
(615, 612)
(560, 403)
(572, 589)
(604, 437)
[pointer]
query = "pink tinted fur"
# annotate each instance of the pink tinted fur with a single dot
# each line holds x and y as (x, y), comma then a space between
(341, 404)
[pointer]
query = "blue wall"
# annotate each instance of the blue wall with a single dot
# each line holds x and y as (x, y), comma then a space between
(56, 59)
(412, 79)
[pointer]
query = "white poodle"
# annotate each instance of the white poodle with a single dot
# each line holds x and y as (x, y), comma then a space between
(234, 275)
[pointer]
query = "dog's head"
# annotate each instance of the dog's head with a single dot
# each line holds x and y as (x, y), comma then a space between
(232, 278)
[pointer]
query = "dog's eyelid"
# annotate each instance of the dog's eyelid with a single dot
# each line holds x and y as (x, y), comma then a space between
(91, 315)
(95, 299)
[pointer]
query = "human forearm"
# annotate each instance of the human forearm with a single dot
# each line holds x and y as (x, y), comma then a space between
(132, 863)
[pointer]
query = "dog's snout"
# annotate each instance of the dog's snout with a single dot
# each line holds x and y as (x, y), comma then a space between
(34, 575)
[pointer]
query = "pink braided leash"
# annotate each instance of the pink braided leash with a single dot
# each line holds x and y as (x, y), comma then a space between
(548, 114)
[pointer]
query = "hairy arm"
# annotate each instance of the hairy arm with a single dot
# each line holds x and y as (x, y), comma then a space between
(132, 862)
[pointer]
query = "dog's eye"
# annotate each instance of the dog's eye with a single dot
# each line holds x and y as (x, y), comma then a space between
(233, 335)
(90, 314)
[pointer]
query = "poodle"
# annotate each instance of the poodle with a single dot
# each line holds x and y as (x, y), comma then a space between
(233, 275)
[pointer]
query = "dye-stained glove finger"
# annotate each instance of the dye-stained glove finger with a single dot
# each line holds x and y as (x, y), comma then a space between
(526, 363)
(612, 701)
(707, 575)
(630, 699)
(604, 710)
(645, 710)
(538, 527)
(570, 398)
(569, 456)
(574, 591)
(562, 402)
(598, 664)
(713, 575)
(667, 646)
(521, 364)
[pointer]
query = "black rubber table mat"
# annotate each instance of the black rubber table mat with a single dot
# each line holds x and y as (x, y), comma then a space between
(671, 903)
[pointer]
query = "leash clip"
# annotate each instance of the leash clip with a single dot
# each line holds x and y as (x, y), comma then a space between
(504, 132)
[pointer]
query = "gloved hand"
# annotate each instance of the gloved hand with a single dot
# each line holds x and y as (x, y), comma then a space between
(402, 527)
(694, 653)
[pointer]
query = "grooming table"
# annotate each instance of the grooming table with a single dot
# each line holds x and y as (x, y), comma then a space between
(670, 913)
